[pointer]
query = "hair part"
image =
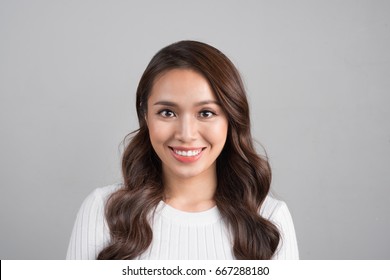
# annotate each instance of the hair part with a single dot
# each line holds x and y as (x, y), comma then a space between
(244, 177)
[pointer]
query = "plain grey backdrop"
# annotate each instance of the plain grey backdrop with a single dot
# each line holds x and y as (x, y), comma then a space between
(317, 75)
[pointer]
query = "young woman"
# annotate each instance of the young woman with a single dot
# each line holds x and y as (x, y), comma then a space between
(194, 186)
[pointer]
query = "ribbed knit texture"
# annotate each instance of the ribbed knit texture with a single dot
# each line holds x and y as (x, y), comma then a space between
(176, 234)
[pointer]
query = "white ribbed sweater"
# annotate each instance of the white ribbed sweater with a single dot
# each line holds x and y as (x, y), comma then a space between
(176, 234)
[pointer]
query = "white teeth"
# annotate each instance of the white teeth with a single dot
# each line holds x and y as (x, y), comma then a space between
(188, 153)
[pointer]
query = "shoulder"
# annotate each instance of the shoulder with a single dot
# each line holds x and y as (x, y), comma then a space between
(278, 213)
(101, 194)
(272, 207)
(96, 200)
(105, 192)
(90, 232)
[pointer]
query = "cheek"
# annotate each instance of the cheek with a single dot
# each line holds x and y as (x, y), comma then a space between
(157, 133)
(154, 134)
(218, 133)
(222, 134)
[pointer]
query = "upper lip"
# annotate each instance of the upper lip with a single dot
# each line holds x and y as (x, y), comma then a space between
(187, 148)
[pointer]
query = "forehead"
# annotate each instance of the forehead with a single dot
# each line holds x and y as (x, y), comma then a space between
(182, 85)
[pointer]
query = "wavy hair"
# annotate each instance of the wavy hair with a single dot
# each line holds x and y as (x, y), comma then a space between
(243, 177)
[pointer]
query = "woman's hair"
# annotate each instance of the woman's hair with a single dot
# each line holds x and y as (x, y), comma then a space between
(243, 176)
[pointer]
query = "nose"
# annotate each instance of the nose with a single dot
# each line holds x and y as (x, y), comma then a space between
(187, 129)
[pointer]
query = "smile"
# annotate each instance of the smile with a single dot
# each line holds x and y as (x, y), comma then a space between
(186, 154)
(189, 153)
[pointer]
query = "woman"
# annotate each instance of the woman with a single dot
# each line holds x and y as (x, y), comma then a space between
(194, 186)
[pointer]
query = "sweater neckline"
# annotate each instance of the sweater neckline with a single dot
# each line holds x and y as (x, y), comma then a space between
(209, 216)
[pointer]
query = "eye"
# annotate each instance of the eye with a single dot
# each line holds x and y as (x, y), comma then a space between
(166, 113)
(206, 114)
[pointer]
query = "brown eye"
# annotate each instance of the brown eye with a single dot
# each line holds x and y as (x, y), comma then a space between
(205, 114)
(166, 113)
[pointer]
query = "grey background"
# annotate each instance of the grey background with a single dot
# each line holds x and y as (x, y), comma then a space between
(317, 75)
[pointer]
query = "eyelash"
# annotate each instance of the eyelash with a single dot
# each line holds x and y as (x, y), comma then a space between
(161, 113)
(165, 111)
(207, 111)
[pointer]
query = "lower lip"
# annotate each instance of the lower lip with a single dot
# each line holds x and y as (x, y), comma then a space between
(186, 159)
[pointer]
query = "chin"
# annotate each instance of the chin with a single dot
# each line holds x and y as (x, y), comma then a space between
(187, 174)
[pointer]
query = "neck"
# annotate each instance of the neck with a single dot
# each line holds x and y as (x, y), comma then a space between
(191, 194)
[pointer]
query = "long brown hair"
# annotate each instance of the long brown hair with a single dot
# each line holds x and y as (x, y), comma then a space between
(243, 176)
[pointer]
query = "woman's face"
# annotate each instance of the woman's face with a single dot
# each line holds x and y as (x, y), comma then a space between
(187, 126)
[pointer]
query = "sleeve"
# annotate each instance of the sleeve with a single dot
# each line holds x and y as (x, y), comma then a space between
(90, 232)
(288, 246)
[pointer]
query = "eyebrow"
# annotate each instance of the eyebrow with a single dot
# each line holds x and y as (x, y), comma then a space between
(173, 104)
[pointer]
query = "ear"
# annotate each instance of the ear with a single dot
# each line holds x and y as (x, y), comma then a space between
(146, 118)
(145, 113)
